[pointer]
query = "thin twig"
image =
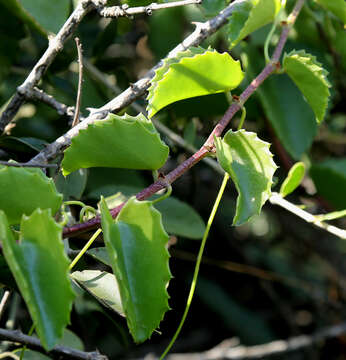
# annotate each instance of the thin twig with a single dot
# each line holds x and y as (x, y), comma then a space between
(55, 46)
(124, 10)
(80, 82)
(277, 199)
(4, 300)
(62, 352)
(17, 164)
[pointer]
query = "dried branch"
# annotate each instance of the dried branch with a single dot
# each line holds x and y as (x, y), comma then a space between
(80, 81)
(17, 164)
(62, 352)
(125, 10)
(55, 46)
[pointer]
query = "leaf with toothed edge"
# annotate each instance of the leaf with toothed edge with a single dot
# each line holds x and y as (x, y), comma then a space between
(194, 72)
(310, 77)
(249, 162)
(40, 267)
(125, 142)
(136, 244)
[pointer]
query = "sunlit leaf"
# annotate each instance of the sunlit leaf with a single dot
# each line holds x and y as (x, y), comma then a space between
(120, 141)
(192, 74)
(249, 16)
(102, 285)
(40, 267)
(22, 190)
(310, 77)
(337, 7)
(136, 244)
(250, 164)
(293, 179)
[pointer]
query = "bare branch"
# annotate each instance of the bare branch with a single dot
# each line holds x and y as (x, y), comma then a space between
(54, 47)
(80, 82)
(16, 164)
(124, 10)
(62, 352)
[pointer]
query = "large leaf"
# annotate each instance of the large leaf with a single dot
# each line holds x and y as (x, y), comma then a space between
(250, 164)
(102, 285)
(22, 190)
(40, 267)
(308, 74)
(330, 180)
(250, 16)
(136, 244)
(120, 141)
(293, 180)
(192, 74)
(337, 7)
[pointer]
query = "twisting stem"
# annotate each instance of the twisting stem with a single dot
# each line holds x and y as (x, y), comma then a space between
(198, 264)
(80, 82)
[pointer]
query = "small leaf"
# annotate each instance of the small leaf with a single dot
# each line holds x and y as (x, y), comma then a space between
(120, 141)
(249, 16)
(103, 286)
(337, 7)
(22, 190)
(293, 179)
(192, 74)
(329, 177)
(40, 267)
(250, 164)
(136, 244)
(308, 74)
(73, 185)
(100, 254)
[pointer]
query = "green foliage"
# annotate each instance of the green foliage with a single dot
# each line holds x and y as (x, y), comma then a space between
(293, 180)
(40, 267)
(308, 74)
(250, 164)
(250, 16)
(193, 73)
(337, 7)
(136, 244)
(211, 8)
(23, 190)
(120, 141)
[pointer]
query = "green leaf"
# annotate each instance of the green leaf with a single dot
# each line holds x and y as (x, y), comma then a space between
(120, 141)
(102, 285)
(331, 216)
(192, 73)
(40, 267)
(136, 244)
(329, 177)
(22, 190)
(250, 164)
(44, 15)
(293, 179)
(250, 16)
(308, 74)
(100, 254)
(73, 185)
(212, 7)
(337, 7)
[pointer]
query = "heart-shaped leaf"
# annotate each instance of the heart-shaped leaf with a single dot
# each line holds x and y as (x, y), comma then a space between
(192, 73)
(40, 267)
(250, 164)
(310, 77)
(120, 141)
(293, 179)
(136, 244)
(22, 190)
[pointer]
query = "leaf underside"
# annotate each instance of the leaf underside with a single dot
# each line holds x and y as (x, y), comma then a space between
(293, 179)
(136, 244)
(310, 77)
(250, 164)
(22, 190)
(40, 267)
(119, 141)
(194, 72)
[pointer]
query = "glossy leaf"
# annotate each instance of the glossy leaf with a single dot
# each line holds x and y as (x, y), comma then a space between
(337, 7)
(293, 179)
(329, 177)
(192, 74)
(136, 244)
(308, 74)
(22, 190)
(103, 286)
(250, 164)
(120, 142)
(250, 16)
(40, 267)
(100, 254)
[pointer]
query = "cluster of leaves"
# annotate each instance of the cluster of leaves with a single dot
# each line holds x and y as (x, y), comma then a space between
(32, 211)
